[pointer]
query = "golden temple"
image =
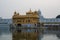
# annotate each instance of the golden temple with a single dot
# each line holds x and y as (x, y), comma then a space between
(30, 18)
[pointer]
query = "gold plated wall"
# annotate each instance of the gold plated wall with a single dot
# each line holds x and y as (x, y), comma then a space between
(29, 18)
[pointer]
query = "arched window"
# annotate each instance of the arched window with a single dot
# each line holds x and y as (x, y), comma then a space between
(28, 20)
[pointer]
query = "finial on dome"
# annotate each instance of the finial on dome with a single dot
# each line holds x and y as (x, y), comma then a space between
(15, 12)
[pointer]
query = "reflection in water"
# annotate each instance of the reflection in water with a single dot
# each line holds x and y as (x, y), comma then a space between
(50, 37)
(6, 35)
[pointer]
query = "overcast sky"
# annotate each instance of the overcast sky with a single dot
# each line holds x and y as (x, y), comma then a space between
(49, 8)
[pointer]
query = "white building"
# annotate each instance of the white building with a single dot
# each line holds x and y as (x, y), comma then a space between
(50, 24)
(5, 21)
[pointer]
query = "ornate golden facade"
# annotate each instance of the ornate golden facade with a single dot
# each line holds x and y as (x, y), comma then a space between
(29, 18)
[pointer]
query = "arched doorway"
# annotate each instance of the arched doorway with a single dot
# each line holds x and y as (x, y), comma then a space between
(19, 25)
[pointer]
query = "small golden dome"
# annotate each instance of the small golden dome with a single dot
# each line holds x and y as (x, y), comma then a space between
(35, 11)
(15, 12)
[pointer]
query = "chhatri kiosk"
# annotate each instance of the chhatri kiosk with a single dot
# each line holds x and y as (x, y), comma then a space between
(27, 26)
